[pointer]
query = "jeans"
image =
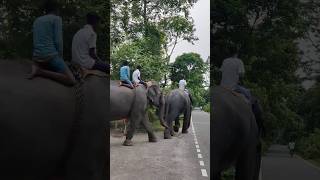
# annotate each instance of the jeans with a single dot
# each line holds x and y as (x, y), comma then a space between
(127, 81)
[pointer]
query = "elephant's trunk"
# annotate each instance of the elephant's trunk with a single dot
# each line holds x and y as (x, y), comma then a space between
(162, 111)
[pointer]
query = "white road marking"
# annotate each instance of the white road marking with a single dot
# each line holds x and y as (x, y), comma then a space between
(201, 163)
(204, 172)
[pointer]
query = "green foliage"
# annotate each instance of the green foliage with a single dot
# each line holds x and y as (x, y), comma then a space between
(153, 66)
(193, 68)
(309, 108)
(309, 146)
(206, 108)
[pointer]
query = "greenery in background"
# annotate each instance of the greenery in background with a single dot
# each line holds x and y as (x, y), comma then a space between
(192, 66)
(266, 33)
(18, 16)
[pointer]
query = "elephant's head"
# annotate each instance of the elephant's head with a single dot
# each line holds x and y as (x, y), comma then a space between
(156, 98)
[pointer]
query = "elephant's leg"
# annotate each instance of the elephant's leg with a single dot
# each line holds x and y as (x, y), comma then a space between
(132, 125)
(147, 125)
(176, 124)
(245, 166)
(186, 120)
(217, 176)
(167, 131)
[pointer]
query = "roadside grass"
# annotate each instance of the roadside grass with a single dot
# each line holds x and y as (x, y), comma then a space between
(315, 162)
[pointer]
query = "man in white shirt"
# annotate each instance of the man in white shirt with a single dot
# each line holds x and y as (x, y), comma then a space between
(84, 50)
(182, 83)
(136, 76)
(232, 71)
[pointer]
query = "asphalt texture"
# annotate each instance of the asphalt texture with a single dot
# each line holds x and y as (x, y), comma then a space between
(278, 165)
(178, 158)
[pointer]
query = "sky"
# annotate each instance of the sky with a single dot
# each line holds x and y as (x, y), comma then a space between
(201, 16)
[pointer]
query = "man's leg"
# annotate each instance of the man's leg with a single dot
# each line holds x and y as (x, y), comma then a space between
(58, 71)
(244, 91)
(128, 83)
(101, 66)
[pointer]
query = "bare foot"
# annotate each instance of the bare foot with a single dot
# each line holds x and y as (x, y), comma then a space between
(34, 72)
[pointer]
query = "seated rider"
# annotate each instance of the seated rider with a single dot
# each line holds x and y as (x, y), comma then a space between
(232, 70)
(125, 74)
(182, 83)
(136, 76)
(182, 86)
(84, 52)
(48, 47)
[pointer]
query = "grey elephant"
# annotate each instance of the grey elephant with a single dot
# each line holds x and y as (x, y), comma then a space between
(132, 104)
(177, 102)
(46, 131)
(235, 134)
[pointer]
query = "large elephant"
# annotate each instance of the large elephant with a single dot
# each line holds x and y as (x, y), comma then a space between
(48, 129)
(132, 104)
(177, 102)
(236, 134)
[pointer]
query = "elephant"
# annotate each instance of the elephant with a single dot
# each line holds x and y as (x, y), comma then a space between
(177, 102)
(49, 130)
(133, 103)
(235, 134)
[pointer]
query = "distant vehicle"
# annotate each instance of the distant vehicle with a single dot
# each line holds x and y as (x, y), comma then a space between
(197, 108)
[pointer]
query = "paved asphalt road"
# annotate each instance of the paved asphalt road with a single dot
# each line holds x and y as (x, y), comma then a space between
(278, 165)
(168, 159)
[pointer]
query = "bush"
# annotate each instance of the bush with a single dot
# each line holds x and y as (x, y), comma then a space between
(206, 108)
(309, 146)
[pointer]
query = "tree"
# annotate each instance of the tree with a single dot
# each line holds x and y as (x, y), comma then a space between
(310, 62)
(155, 26)
(192, 66)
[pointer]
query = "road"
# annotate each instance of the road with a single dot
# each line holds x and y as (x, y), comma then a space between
(278, 165)
(167, 159)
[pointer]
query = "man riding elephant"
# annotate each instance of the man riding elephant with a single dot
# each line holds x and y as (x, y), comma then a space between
(132, 104)
(177, 102)
(237, 124)
(232, 72)
(48, 47)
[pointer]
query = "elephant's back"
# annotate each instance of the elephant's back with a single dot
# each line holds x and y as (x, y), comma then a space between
(36, 118)
(232, 124)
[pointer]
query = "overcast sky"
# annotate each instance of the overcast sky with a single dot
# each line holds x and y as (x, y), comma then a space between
(201, 16)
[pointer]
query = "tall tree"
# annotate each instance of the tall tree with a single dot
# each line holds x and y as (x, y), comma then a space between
(192, 66)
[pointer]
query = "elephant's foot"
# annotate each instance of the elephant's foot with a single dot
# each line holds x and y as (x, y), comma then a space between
(184, 131)
(167, 134)
(176, 128)
(172, 133)
(127, 142)
(152, 138)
